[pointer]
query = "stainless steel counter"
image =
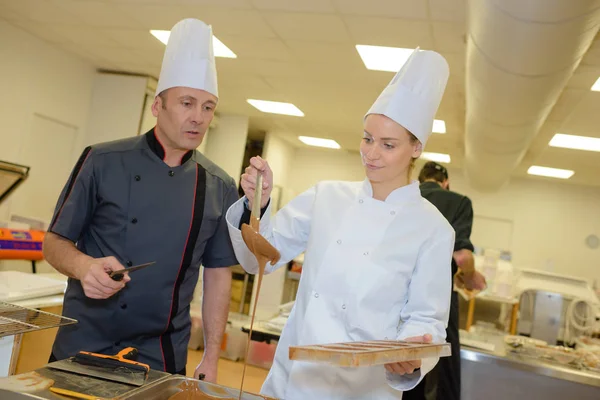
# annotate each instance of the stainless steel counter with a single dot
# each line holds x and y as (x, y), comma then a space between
(528, 364)
(493, 376)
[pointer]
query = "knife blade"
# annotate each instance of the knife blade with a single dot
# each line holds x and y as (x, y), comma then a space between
(118, 275)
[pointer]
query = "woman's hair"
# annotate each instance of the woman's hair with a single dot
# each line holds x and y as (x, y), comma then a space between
(411, 167)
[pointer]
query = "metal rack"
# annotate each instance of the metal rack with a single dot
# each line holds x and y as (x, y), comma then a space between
(15, 320)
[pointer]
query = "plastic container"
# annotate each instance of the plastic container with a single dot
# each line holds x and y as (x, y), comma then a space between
(261, 354)
(234, 342)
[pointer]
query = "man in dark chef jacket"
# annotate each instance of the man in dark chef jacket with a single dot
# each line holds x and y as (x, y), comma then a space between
(443, 382)
(149, 198)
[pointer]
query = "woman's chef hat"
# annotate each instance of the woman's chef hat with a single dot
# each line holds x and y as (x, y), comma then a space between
(412, 98)
(189, 59)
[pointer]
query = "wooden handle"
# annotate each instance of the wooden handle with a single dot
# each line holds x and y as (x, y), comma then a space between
(257, 197)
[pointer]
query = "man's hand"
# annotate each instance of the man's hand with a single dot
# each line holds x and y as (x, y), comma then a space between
(474, 282)
(208, 369)
(248, 181)
(408, 367)
(95, 280)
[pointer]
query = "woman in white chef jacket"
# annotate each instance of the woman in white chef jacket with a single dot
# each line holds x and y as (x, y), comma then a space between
(377, 255)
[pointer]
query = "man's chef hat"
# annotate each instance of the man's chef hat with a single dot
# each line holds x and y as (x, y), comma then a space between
(412, 98)
(189, 60)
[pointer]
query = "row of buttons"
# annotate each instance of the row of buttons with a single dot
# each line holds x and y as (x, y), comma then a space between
(317, 296)
(366, 253)
(391, 212)
(139, 178)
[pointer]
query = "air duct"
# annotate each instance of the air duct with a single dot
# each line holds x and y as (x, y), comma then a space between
(520, 56)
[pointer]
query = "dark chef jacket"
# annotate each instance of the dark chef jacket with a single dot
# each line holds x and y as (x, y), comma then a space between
(443, 382)
(122, 200)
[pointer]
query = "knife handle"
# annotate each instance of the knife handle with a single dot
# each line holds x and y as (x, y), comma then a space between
(117, 277)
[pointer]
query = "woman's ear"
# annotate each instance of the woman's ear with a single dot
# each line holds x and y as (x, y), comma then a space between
(417, 150)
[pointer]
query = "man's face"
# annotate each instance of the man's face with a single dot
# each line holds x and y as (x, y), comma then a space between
(183, 116)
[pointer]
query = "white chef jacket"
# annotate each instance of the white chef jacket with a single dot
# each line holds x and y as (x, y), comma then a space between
(372, 270)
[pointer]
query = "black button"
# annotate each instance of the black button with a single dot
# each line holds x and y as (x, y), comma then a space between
(123, 306)
(137, 178)
(171, 173)
(134, 221)
(117, 343)
(129, 263)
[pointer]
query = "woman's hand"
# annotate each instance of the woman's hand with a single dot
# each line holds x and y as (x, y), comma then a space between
(248, 180)
(408, 367)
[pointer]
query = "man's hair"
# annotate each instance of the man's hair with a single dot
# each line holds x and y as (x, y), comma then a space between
(433, 170)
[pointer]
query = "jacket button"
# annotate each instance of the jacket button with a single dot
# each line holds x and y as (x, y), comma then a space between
(129, 263)
(134, 221)
(123, 306)
(316, 295)
(393, 212)
(366, 253)
(117, 344)
(361, 201)
(343, 306)
(171, 173)
(137, 178)
(339, 242)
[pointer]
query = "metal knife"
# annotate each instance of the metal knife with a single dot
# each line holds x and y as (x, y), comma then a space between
(118, 275)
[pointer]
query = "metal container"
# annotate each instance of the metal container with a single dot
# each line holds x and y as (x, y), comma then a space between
(165, 388)
(7, 395)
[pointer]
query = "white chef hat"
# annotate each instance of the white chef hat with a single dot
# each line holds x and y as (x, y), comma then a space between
(413, 96)
(189, 59)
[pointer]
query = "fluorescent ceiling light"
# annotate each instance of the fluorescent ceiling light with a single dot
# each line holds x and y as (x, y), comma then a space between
(219, 48)
(439, 126)
(596, 86)
(437, 157)
(312, 141)
(380, 58)
(575, 142)
(550, 172)
(275, 107)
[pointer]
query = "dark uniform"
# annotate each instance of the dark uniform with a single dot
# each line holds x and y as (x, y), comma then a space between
(443, 382)
(122, 200)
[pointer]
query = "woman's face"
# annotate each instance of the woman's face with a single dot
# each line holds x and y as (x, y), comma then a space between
(387, 149)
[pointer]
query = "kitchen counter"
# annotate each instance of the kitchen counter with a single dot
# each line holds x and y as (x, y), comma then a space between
(499, 375)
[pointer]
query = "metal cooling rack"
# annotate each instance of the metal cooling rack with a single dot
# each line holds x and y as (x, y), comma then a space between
(16, 320)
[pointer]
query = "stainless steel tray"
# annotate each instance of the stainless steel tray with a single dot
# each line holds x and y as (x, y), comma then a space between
(167, 387)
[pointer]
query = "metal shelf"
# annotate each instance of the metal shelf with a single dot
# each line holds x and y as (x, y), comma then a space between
(16, 320)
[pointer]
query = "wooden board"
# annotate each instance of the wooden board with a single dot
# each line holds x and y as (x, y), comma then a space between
(364, 354)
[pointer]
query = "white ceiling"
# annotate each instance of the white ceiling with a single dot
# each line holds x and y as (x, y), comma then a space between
(302, 51)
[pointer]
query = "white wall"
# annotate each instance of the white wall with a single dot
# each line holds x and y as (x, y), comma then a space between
(545, 223)
(116, 107)
(39, 81)
(225, 145)
(314, 165)
(550, 222)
